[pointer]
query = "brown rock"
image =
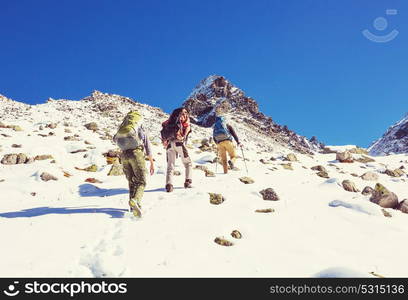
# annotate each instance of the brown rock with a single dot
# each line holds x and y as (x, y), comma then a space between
(16, 145)
(246, 180)
(43, 157)
(403, 206)
(223, 242)
(370, 176)
(386, 213)
(9, 159)
(236, 234)
(269, 194)
(216, 199)
(323, 174)
(383, 197)
(93, 180)
(367, 191)
(265, 210)
(345, 157)
(319, 168)
(291, 157)
(91, 126)
(47, 176)
(350, 186)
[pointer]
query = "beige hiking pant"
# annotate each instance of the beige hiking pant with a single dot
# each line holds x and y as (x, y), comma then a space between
(173, 150)
(223, 148)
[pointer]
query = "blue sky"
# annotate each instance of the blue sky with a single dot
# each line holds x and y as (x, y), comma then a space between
(306, 62)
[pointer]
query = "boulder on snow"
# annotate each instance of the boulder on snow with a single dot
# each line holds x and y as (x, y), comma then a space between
(91, 126)
(47, 176)
(287, 166)
(43, 157)
(265, 210)
(383, 197)
(370, 176)
(223, 242)
(291, 157)
(395, 173)
(246, 180)
(403, 206)
(269, 194)
(359, 150)
(236, 234)
(367, 191)
(319, 168)
(365, 159)
(16, 146)
(216, 199)
(323, 174)
(265, 162)
(14, 159)
(349, 186)
(345, 157)
(209, 173)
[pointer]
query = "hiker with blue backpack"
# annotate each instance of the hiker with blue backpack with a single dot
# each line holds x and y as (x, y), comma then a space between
(223, 134)
(134, 143)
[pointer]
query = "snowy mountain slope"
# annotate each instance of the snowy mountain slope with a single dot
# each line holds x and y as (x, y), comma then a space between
(73, 227)
(394, 140)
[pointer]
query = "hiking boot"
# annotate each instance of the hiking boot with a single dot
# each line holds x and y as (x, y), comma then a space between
(135, 208)
(187, 184)
(169, 188)
(231, 165)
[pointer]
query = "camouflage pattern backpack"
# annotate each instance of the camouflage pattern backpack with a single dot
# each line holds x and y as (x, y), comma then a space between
(127, 136)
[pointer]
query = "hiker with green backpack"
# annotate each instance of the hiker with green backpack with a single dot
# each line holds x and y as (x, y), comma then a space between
(223, 134)
(134, 143)
(174, 135)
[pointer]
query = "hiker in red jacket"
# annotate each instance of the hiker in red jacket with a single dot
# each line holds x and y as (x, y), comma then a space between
(174, 137)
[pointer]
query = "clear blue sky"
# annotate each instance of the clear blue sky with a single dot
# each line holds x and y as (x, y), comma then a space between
(306, 62)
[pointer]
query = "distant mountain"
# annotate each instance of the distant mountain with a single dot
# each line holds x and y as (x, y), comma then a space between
(394, 140)
(217, 93)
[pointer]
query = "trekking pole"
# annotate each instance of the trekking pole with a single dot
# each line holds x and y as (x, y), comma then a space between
(216, 161)
(243, 156)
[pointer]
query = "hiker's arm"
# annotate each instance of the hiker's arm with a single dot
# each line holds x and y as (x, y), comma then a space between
(233, 133)
(148, 148)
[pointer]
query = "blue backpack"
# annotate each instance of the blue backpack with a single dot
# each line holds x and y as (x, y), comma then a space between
(220, 131)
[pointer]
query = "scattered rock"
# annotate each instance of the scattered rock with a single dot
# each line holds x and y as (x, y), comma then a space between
(176, 173)
(359, 150)
(236, 234)
(16, 146)
(47, 176)
(2, 180)
(287, 166)
(265, 210)
(66, 174)
(395, 173)
(209, 173)
(33, 194)
(223, 242)
(319, 168)
(216, 199)
(291, 157)
(116, 170)
(91, 126)
(201, 167)
(345, 157)
(246, 180)
(9, 159)
(370, 176)
(367, 191)
(383, 197)
(350, 186)
(269, 194)
(67, 130)
(112, 160)
(71, 138)
(87, 143)
(386, 213)
(93, 180)
(323, 174)
(265, 162)
(78, 151)
(365, 159)
(51, 125)
(354, 174)
(403, 206)
(43, 157)
(16, 128)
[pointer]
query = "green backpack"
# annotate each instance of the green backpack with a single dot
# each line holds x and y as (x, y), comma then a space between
(127, 136)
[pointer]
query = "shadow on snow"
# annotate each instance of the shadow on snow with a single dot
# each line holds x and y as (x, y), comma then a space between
(41, 211)
(89, 190)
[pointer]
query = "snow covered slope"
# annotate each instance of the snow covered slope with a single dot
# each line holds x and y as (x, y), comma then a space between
(394, 140)
(78, 224)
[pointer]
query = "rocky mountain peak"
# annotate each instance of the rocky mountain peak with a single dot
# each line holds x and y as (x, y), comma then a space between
(394, 140)
(216, 94)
